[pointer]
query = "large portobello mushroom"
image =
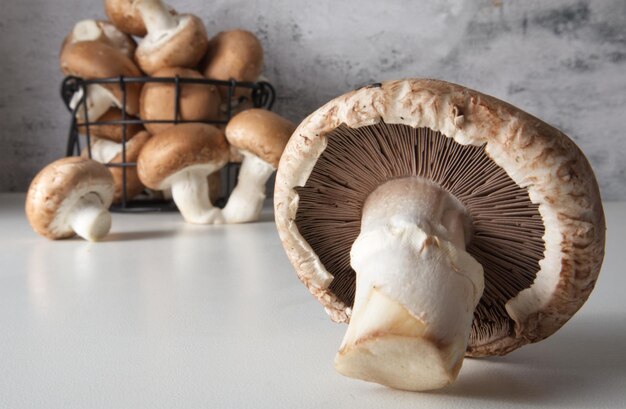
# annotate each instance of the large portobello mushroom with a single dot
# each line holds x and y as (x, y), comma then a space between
(439, 222)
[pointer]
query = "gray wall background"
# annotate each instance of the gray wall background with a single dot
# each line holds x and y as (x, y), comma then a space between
(562, 60)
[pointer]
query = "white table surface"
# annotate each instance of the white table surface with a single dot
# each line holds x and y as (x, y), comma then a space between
(167, 315)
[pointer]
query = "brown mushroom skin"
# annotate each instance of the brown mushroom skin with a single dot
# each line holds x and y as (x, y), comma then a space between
(197, 102)
(260, 136)
(185, 49)
(534, 154)
(181, 158)
(112, 132)
(54, 185)
(125, 15)
(93, 60)
(169, 151)
(261, 132)
(236, 54)
(110, 153)
(133, 184)
(108, 34)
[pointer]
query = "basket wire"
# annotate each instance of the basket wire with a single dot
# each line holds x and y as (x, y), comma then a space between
(263, 95)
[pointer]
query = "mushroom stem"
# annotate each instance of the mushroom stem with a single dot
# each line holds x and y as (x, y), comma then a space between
(416, 288)
(156, 17)
(103, 150)
(190, 191)
(86, 30)
(246, 200)
(99, 100)
(89, 218)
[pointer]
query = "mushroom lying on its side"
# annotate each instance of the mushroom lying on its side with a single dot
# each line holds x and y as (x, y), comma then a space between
(126, 16)
(172, 40)
(93, 60)
(104, 32)
(181, 158)
(438, 222)
(71, 196)
(260, 136)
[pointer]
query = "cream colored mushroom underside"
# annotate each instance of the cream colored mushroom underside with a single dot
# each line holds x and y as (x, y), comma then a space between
(544, 164)
(60, 226)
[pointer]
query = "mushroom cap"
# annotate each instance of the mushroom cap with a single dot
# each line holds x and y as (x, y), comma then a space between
(198, 102)
(57, 188)
(260, 132)
(236, 54)
(133, 184)
(125, 15)
(112, 132)
(537, 158)
(94, 60)
(180, 147)
(184, 48)
(234, 155)
(104, 32)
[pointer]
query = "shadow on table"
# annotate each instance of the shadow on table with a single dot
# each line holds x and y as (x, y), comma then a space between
(139, 235)
(575, 362)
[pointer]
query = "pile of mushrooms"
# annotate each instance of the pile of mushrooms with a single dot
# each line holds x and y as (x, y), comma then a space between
(439, 223)
(181, 160)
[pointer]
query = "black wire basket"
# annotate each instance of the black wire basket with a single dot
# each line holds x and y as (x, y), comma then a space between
(262, 95)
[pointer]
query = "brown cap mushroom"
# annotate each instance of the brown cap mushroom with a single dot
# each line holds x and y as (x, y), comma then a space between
(126, 17)
(93, 60)
(71, 196)
(172, 40)
(110, 153)
(181, 158)
(236, 54)
(260, 136)
(397, 203)
(103, 31)
(110, 129)
(197, 102)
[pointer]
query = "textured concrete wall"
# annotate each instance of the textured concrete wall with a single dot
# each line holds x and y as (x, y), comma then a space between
(562, 60)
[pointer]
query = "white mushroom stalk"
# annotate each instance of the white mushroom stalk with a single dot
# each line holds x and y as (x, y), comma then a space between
(86, 30)
(89, 218)
(103, 150)
(158, 19)
(246, 200)
(416, 288)
(98, 100)
(190, 192)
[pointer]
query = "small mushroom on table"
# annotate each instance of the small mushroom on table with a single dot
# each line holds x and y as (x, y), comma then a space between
(196, 102)
(172, 41)
(71, 196)
(181, 158)
(260, 136)
(439, 222)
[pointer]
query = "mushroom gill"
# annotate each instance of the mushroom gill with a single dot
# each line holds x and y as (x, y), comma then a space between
(507, 228)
